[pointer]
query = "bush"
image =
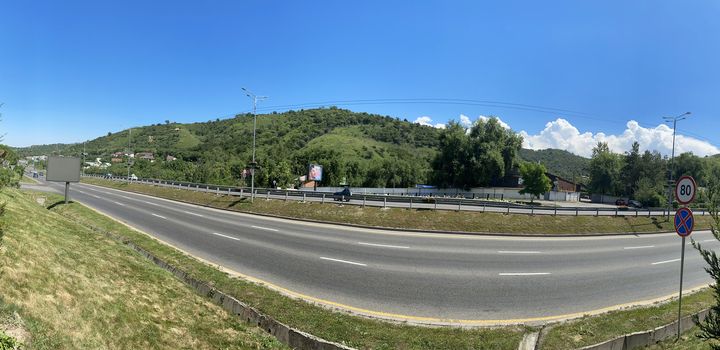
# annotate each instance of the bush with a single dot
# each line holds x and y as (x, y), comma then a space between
(8, 343)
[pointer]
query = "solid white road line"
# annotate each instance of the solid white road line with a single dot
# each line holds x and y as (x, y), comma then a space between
(191, 213)
(222, 235)
(264, 228)
(151, 203)
(118, 203)
(160, 216)
(384, 245)
(343, 261)
(639, 247)
(523, 273)
(665, 262)
(518, 252)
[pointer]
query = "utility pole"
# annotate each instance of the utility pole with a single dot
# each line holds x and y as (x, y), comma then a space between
(255, 100)
(674, 121)
(129, 152)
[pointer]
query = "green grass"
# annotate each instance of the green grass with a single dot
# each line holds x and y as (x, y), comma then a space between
(359, 332)
(76, 289)
(688, 341)
(26, 180)
(415, 219)
(595, 329)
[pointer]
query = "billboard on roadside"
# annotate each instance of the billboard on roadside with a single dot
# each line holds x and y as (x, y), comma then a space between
(63, 169)
(315, 173)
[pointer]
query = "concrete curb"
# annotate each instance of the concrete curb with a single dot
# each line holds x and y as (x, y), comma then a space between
(292, 337)
(649, 337)
(492, 234)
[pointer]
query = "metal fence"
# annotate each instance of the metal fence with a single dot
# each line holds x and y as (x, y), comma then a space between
(459, 202)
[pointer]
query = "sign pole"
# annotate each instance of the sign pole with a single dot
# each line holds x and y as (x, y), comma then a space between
(67, 191)
(682, 264)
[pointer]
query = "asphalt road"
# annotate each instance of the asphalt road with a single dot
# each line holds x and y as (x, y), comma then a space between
(420, 277)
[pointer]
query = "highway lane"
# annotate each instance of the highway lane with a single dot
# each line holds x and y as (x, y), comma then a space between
(456, 277)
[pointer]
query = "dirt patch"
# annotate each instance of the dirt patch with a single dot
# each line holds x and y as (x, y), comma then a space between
(13, 326)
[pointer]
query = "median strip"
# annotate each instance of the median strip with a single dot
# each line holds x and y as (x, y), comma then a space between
(343, 261)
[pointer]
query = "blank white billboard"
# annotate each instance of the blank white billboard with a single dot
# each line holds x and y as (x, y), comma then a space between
(63, 169)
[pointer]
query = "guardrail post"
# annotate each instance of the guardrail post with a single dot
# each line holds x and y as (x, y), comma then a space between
(303, 197)
(636, 212)
(576, 211)
(241, 193)
(597, 212)
(322, 201)
(410, 202)
(364, 201)
(555, 213)
(483, 208)
(435, 201)
(508, 209)
(648, 212)
(229, 191)
(267, 195)
(385, 202)
(286, 195)
(459, 204)
(532, 210)
(217, 190)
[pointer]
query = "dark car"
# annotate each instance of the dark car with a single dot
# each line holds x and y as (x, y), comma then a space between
(634, 204)
(621, 202)
(343, 195)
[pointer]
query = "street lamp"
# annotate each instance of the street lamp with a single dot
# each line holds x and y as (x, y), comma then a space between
(674, 121)
(255, 100)
(129, 152)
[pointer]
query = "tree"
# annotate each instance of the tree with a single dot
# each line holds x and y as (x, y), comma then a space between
(604, 170)
(710, 327)
(534, 180)
(630, 174)
(688, 164)
(479, 156)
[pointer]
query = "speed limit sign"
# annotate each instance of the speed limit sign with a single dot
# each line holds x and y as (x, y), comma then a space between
(685, 190)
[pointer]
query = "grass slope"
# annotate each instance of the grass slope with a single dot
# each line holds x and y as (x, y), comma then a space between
(355, 331)
(79, 290)
(415, 219)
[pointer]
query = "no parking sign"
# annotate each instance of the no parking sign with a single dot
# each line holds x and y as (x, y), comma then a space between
(684, 222)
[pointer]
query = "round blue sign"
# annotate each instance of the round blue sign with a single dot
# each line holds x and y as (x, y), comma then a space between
(684, 222)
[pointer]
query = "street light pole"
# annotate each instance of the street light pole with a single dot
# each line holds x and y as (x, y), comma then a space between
(255, 100)
(674, 120)
(129, 152)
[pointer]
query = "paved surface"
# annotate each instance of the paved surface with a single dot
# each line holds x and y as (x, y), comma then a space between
(432, 278)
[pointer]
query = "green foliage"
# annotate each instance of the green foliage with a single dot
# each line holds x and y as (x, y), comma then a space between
(649, 193)
(710, 327)
(559, 162)
(534, 179)
(8, 343)
(605, 169)
(479, 157)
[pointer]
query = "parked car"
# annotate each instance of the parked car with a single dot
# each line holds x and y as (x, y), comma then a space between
(133, 177)
(343, 195)
(108, 175)
(621, 203)
(634, 204)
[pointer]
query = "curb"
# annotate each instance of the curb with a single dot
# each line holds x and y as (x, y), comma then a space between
(292, 337)
(470, 233)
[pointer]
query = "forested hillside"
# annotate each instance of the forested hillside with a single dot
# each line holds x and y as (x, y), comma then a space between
(363, 149)
(559, 162)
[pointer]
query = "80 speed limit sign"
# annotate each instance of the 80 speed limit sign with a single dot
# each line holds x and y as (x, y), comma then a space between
(685, 190)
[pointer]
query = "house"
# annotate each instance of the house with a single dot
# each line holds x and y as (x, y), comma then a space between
(560, 184)
(116, 160)
(118, 155)
(145, 155)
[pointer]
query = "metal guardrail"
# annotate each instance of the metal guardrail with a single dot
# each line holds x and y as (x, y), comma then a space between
(413, 202)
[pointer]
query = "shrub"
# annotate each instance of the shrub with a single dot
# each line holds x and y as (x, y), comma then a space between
(8, 343)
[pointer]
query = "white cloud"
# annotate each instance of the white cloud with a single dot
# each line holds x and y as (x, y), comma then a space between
(502, 123)
(465, 121)
(427, 121)
(561, 134)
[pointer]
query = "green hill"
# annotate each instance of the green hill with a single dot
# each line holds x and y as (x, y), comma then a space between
(559, 162)
(364, 149)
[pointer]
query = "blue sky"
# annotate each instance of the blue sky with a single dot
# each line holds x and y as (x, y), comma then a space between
(74, 70)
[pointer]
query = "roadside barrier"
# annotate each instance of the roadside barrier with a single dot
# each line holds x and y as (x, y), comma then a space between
(412, 202)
